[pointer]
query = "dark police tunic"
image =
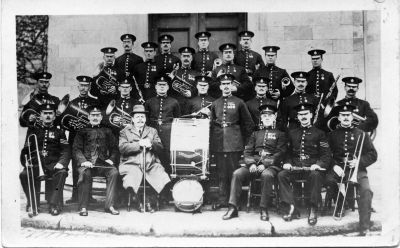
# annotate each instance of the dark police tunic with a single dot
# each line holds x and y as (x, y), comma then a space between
(253, 106)
(166, 62)
(188, 76)
(199, 102)
(145, 74)
(307, 146)
(244, 91)
(363, 109)
(106, 81)
(277, 76)
(203, 61)
(248, 59)
(53, 148)
(272, 141)
(34, 103)
(230, 129)
(343, 143)
(127, 61)
(288, 114)
(96, 144)
(320, 81)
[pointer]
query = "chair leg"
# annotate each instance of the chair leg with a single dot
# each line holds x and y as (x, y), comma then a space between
(248, 198)
(129, 202)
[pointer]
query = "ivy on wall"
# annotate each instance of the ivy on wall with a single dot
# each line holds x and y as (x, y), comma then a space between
(31, 42)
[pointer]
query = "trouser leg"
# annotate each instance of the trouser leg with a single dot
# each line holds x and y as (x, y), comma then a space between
(75, 175)
(239, 176)
(364, 202)
(84, 186)
(226, 163)
(58, 182)
(315, 184)
(285, 189)
(112, 178)
(267, 181)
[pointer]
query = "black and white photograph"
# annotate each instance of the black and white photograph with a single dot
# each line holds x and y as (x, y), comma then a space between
(200, 123)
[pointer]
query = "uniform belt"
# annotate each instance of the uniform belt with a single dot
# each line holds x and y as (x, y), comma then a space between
(162, 121)
(225, 124)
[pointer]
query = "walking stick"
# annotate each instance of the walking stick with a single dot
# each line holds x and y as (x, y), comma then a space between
(144, 179)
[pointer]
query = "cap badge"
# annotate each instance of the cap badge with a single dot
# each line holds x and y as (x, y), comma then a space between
(315, 52)
(227, 46)
(245, 33)
(84, 79)
(109, 50)
(301, 74)
(352, 80)
(270, 49)
(203, 79)
(261, 80)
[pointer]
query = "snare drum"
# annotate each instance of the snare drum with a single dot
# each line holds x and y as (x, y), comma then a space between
(188, 195)
(190, 147)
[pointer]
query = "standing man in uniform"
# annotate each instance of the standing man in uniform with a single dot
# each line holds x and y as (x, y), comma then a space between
(204, 60)
(146, 73)
(320, 80)
(288, 112)
(29, 118)
(308, 155)
(54, 154)
(261, 98)
(246, 57)
(162, 110)
(165, 60)
(263, 157)
(183, 79)
(363, 109)
(201, 102)
(96, 152)
(83, 102)
(343, 142)
(106, 77)
(280, 86)
(127, 61)
(231, 126)
(242, 86)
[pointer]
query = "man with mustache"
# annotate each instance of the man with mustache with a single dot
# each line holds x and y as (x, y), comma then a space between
(280, 85)
(203, 60)
(96, 152)
(201, 102)
(147, 72)
(343, 141)
(363, 109)
(54, 154)
(135, 138)
(261, 98)
(162, 110)
(308, 155)
(263, 155)
(165, 60)
(28, 118)
(83, 102)
(106, 77)
(289, 115)
(242, 86)
(183, 79)
(127, 61)
(246, 57)
(231, 126)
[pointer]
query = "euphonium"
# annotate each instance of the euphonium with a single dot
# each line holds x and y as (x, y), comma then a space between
(34, 105)
(72, 117)
(106, 80)
(217, 62)
(113, 111)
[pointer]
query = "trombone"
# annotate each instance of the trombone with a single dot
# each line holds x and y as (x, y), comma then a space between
(33, 150)
(351, 178)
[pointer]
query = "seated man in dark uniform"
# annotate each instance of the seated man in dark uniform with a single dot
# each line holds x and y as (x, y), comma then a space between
(96, 151)
(308, 155)
(263, 155)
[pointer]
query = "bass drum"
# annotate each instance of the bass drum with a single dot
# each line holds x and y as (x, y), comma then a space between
(188, 195)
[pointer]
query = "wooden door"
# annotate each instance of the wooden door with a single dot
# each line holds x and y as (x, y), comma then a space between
(223, 27)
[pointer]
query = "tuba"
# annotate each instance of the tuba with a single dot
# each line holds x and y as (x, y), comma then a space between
(72, 117)
(34, 105)
(113, 111)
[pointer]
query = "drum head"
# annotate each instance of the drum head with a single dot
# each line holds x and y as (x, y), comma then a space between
(188, 195)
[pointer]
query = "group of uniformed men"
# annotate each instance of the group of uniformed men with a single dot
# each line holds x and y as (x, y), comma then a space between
(262, 123)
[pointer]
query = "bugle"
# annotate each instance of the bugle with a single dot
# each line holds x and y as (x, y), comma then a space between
(72, 117)
(113, 111)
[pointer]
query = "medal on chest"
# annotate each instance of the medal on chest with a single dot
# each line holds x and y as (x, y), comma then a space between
(153, 68)
(231, 105)
(51, 135)
(170, 61)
